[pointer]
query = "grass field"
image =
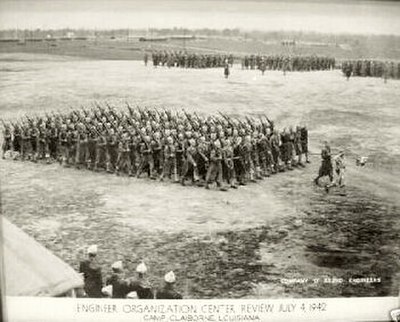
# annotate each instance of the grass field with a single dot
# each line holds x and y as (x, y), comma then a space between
(221, 245)
(341, 47)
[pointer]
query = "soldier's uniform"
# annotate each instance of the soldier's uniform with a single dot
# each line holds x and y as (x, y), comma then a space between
(340, 167)
(147, 160)
(91, 144)
(170, 162)
(53, 141)
(326, 168)
(111, 149)
(276, 152)
(228, 165)
(6, 146)
(123, 159)
(72, 147)
(142, 287)
(16, 141)
(92, 275)
(43, 150)
(82, 150)
(120, 286)
(190, 165)
(34, 135)
(63, 145)
(168, 292)
(238, 161)
(26, 144)
(202, 159)
(100, 152)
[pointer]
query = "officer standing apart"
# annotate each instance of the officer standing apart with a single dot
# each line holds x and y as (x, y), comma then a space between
(226, 69)
(326, 168)
(340, 165)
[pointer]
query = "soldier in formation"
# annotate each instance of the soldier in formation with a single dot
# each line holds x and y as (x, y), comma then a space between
(184, 59)
(287, 63)
(371, 68)
(160, 144)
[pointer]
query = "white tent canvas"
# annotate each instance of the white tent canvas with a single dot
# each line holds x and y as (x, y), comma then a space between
(31, 269)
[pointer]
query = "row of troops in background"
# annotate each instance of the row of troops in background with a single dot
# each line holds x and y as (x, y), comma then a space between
(288, 63)
(184, 59)
(164, 144)
(371, 68)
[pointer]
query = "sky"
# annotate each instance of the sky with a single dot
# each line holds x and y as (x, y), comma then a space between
(352, 16)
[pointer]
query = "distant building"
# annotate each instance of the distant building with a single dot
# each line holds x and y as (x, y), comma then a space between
(153, 38)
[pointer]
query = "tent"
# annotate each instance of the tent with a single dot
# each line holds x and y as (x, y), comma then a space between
(31, 269)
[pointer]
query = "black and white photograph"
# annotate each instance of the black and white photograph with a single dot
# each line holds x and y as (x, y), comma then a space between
(200, 150)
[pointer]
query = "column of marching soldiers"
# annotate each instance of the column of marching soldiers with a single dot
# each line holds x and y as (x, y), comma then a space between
(184, 59)
(288, 62)
(188, 60)
(360, 67)
(371, 68)
(162, 144)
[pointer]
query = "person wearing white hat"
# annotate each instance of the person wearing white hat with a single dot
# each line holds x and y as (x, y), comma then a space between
(91, 273)
(168, 292)
(119, 285)
(141, 269)
(141, 285)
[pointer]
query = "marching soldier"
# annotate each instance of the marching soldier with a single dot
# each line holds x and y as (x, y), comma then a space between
(16, 141)
(6, 146)
(123, 158)
(170, 167)
(326, 164)
(111, 150)
(190, 165)
(101, 147)
(147, 160)
(228, 163)
(214, 172)
(26, 144)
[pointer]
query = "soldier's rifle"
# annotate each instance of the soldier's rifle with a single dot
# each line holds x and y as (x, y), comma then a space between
(29, 119)
(5, 125)
(198, 117)
(112, 111)
(100, 108)
(141, 112)
(129, 109)
(249, 121)
(188, 117)
(242, 125)
(91, 129)
(84, 111)
(228, 119)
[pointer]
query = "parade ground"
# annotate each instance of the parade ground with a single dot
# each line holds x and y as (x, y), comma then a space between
(268, 239)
